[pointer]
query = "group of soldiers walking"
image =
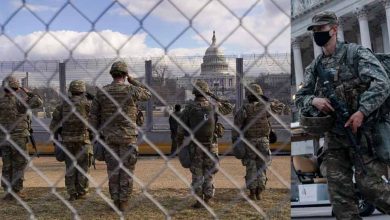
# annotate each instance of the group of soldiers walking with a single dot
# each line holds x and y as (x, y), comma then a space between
(111, 116)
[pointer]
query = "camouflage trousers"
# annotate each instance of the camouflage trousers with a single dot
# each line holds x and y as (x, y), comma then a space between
(75, 181)
(203, 169)
(120, 183)
(339, 160)
(255, 165)
(14, 165)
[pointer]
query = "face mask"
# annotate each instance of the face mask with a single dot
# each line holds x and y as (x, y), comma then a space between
(321, 38)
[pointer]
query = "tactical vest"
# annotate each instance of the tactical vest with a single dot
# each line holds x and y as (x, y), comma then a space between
(115, 126)
(256, 115)
(202, 121)
(346, 82)
(73, 128)
(13, 118)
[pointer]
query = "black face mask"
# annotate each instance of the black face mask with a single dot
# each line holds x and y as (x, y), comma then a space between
(321, 37)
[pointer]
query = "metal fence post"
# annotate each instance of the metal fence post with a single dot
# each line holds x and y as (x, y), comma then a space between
(62, 76)
(149, 105)
(239, 82)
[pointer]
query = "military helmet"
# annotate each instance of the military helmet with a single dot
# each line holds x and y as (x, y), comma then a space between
(201, 85)
(11, 82)
(77, 86)
(119, 68)
(316, 125)
(254, 89)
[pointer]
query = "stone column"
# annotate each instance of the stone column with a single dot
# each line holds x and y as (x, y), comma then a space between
(361, 14)
(386, 4)
(385, 37)
(298, 67)
(340, 32)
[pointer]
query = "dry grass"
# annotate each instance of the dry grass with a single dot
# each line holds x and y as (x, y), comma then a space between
(228, 204)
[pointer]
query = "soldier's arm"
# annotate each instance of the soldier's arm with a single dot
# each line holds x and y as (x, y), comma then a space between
(141, 92)
(180, 129)
(56, 120)
(224, 107)
(94, 114)
(34, 100)
(371, 72)
(277, 106)
(305, 95)
(239, 119)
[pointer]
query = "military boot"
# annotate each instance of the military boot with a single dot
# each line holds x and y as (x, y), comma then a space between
(197, 205)
(252, 194)
(123, 206)
(72, 197)
(8, 197)
(21, 194)
(207, 200)
(82, 195)
(258, 193)
(116, 203)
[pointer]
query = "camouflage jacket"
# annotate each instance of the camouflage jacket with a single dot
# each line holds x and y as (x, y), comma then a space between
(114, 126)
(13, 114)
(73, 128)
(257, 123)
(221, 107)
(367, 95)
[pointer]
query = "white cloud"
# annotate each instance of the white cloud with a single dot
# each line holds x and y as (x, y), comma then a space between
(34, 7)
(47, 45)
(264, 22)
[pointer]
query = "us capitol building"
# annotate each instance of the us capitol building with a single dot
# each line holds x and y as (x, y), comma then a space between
(214, 70)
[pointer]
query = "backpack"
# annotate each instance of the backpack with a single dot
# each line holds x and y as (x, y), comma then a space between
(384, 59)
(202, 122)
(73, 128)
(381, 128)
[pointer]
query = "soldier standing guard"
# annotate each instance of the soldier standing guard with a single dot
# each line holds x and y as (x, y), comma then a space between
(363, 88)
(14, 121)
(200, 116)
(75, 138)
(252, 119)
(119, 128)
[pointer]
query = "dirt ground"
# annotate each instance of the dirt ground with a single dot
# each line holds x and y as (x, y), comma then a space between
(161, 184)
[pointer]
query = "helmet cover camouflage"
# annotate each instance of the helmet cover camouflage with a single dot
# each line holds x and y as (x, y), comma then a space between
(119, 68)
(316, 125)
(201, 85)
(77, 86)
(254, 89)
(11, 81)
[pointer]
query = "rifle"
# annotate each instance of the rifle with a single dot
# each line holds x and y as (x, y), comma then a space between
(342, 115)
(31, 137)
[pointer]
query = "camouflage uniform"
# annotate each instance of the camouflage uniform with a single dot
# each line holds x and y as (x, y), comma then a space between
(119, 132)
(15, 122)
(75, 138)
(366, 96)
(202, 166)
(255, 114)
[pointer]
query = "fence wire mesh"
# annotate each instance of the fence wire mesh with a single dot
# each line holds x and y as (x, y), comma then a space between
(162, 188)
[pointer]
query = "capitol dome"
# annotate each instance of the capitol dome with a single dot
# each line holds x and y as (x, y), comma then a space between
(214, 61)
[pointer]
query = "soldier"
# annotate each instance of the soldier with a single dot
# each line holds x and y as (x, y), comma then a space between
(252, 119)
(173, 126)
(14, 122)
(119, 129)
(363, 88)
(75, 138)
(200, 116)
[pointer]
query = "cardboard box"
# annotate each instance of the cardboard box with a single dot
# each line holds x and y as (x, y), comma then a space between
(313, 192)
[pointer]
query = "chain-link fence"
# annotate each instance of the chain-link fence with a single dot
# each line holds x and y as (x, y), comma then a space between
(162, 188)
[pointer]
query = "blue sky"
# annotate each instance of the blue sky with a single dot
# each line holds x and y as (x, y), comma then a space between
(265, 22)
